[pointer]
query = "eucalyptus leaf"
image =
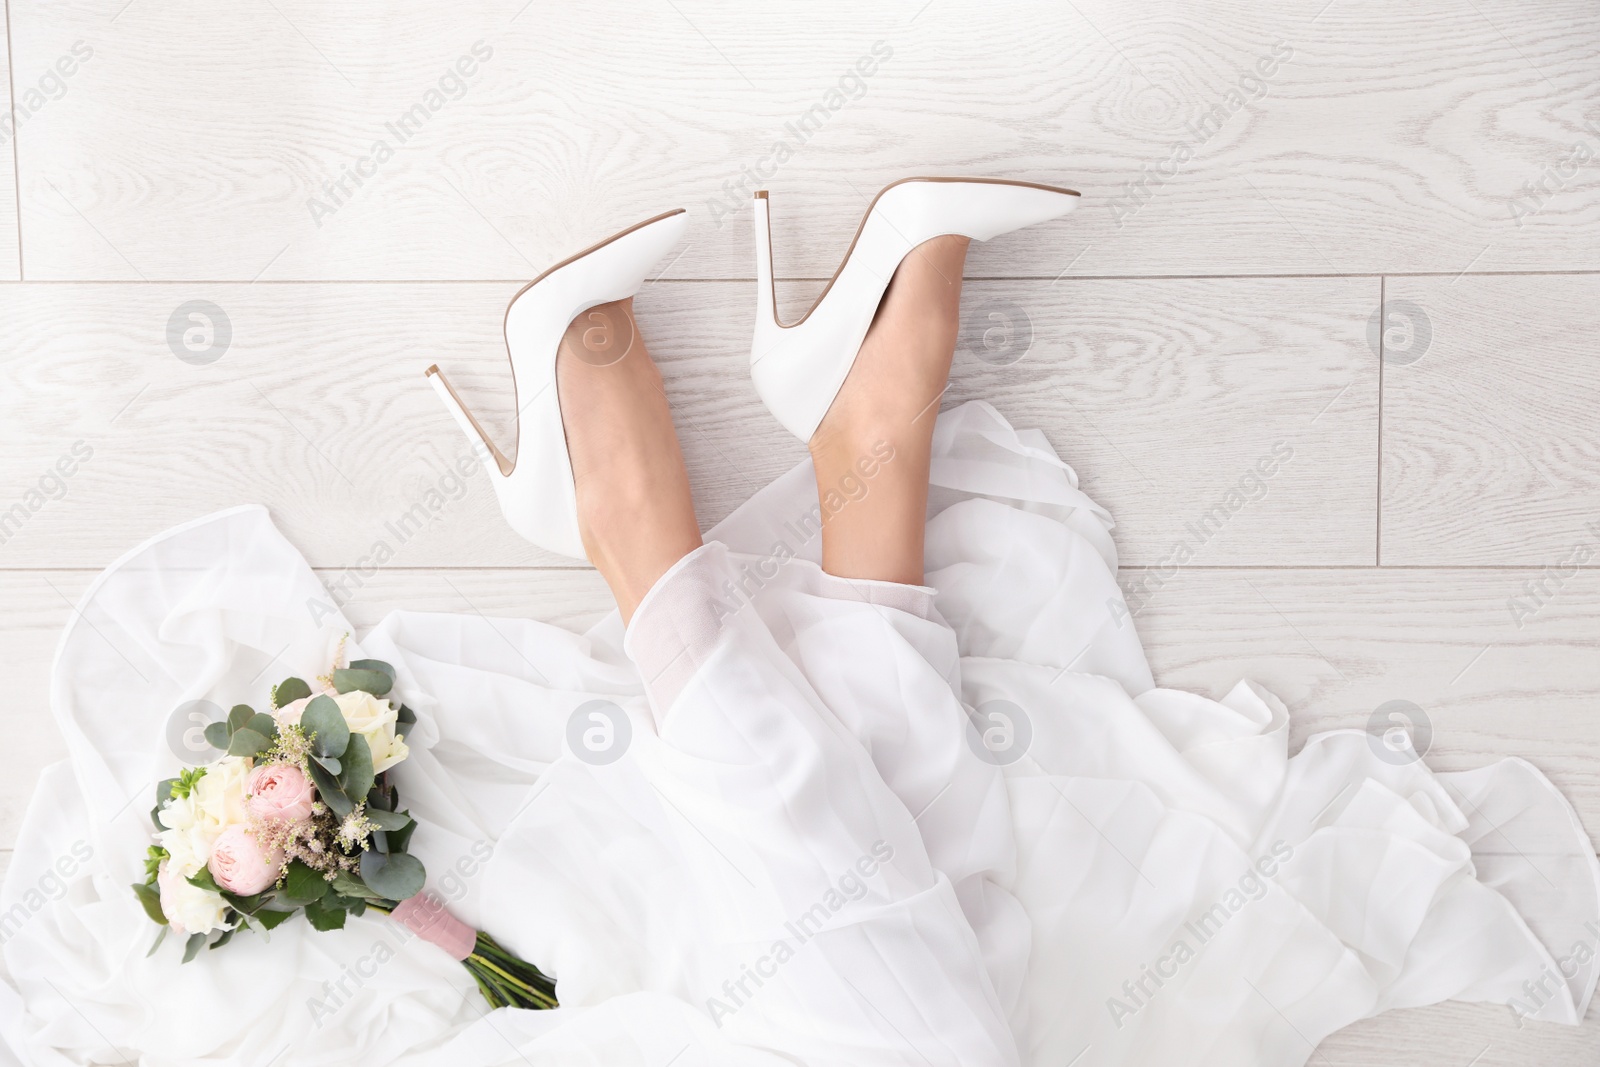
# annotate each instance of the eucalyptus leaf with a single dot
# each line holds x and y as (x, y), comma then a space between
(356, 778)
(380, 841)
(263, 724)
(400, 840)
(191, 947)
(329, 764)
(396, 875)
(348, 885)
(388, 820)
(325, 722)
(246, 742)
(347, 680)
(150, 897)
(238, 716)
(217, 734)
(329, 792)
(161, 935)
(405, 714)
(372, 665)
(381, 798)
(288, 691)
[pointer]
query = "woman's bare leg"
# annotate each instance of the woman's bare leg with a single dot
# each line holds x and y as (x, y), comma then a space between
(634, 508)
(887, 408)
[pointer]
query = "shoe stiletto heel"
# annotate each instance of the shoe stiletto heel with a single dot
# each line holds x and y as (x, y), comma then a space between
(799, 368)
(535, 486)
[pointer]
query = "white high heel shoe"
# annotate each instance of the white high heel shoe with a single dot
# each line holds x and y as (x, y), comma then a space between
(536, 489)
(799, 368)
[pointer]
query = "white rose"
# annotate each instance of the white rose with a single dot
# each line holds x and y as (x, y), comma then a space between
(218, 797)
(177, 813)
(188, 908)
(374, 720)
(187, 849)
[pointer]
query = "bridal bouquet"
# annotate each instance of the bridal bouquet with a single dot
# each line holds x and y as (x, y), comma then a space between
(299, 818)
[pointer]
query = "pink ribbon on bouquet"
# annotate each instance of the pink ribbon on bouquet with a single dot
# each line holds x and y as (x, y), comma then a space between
(425, 916)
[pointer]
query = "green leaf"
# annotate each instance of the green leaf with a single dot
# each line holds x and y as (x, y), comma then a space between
(329, 792)
(357, 777)
(263, 724)
(161, 935)
(202, 879)
(347, 680)
(405, 719)
(372, 665)
(381, 798)
(348, 885)
(288, 691)
(246, 742)
(302, 884)
(380, 841)
(223, 940)
(329, 764)
(151, 899)
(246, 905)
(271, 920)
(400, 840)
(238, 716)
(388, 820)
(217, 734)
(397, 876)
(324, 916)
(325, 722)
(191, 947)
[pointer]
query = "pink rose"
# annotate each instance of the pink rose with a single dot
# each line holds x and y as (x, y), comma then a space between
(238, 864)
(279, 791)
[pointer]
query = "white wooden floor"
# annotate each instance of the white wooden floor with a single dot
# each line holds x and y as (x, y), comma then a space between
(1259, 181)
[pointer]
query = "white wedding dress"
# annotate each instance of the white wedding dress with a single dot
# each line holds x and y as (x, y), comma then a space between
(832, 821)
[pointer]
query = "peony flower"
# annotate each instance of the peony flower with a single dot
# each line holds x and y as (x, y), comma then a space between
(188, 908)
(239, 865)
(374, 720)
(279, 791)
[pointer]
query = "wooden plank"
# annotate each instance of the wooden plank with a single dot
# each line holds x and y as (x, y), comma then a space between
(1452, 1034)
(37, 91)
(1233, 421)
(1165, 394)
(1490, 451)
(1220, 137)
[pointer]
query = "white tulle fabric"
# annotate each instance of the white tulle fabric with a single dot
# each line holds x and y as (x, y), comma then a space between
(854, 822)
